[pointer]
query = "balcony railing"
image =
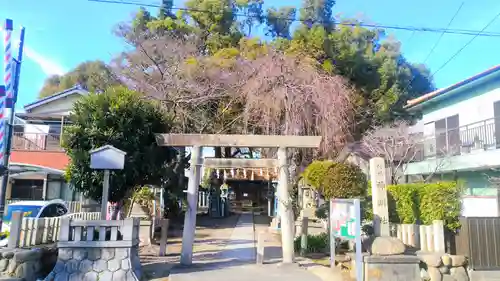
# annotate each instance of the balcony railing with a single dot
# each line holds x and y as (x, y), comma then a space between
(479, 136)
(36, 141)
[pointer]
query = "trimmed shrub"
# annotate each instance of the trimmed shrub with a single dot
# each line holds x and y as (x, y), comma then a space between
(422, 203)
(344, 180)
(315, 173)
(336, 180)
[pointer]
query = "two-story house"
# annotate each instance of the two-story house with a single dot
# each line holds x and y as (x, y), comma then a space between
(461, 129)
(37, 162)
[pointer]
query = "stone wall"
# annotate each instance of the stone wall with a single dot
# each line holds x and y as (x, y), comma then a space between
(438, 267)
(92, 264)
(21, 263)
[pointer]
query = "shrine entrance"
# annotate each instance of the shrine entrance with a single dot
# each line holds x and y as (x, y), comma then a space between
(249, 182)
(282, 143)
(248, 196)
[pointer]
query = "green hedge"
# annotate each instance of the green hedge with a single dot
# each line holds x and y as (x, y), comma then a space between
(422, 203)
(318, 243)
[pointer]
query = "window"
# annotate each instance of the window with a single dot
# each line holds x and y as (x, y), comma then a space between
(23, 189)
(61, 210)
(54, 210)
(447, 136)
(55, 129)
(18, 129)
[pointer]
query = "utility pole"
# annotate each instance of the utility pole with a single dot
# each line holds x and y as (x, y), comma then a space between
(12, 69)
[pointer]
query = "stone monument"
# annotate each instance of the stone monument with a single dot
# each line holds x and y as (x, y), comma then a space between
(379, 197)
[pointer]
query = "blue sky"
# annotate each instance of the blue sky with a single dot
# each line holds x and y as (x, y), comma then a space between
(60, 33)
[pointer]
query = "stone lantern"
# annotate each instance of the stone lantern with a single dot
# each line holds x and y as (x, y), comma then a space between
(308, 202)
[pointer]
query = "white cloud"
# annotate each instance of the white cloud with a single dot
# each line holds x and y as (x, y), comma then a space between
(48, 66)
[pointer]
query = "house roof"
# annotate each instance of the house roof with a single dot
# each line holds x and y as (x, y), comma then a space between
(76, 89)
(478, 78)
(20, 168)
(40, 117)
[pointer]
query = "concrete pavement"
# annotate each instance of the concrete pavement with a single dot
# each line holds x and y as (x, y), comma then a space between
(236, 261)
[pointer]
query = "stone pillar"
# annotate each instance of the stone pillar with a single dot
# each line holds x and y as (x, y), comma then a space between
(192, 208)
(285, 208)
(145, 231)
(379, 197)
(15, 229)
(44, 190)
(164, 223)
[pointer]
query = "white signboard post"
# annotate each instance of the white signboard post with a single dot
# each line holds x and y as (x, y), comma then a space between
(345, 222)
(106, 158)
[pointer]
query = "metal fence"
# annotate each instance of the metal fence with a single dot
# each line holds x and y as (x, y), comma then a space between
(482, 135)
(36, 141)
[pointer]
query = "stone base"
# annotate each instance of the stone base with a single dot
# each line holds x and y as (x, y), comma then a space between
(442, 267)
(24, 264)
(92, 264)
(393, 268)
(352, 263)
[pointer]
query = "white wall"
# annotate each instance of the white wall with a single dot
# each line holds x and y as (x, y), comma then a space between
(60, 106)
(36, 129)
(479, 206)
(469, 111)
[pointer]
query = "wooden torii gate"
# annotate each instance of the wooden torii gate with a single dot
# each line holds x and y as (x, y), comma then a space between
(198, 141)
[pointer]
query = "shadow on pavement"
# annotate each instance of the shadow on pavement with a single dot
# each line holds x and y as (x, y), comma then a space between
(242, 271)
(208, 260)
(208, 266)
(157, 270)
(214, 242)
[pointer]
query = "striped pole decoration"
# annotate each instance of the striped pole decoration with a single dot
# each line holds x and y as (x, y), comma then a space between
(8, 71)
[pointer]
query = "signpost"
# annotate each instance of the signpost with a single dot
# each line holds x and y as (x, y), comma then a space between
(106, 158)
(345, 222)
(8, 99)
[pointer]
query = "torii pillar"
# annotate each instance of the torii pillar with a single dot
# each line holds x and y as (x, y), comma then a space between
(198, 141)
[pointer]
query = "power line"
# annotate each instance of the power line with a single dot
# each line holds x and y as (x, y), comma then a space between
(435, 45)
(381, 26)
(466, 44)
(442, 33)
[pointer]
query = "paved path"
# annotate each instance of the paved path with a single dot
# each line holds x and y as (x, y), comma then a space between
(237, 262)
(241, 244)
